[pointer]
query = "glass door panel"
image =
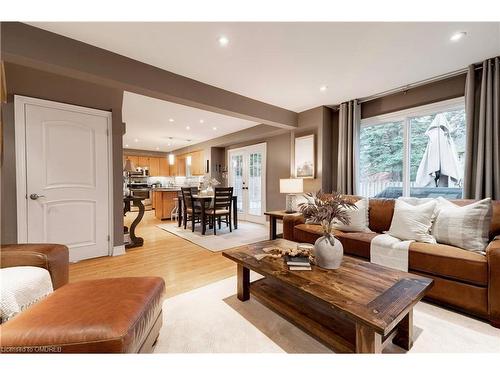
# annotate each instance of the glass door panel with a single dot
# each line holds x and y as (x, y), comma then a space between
(247, 177)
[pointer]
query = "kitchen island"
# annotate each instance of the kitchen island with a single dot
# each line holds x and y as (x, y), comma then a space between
(164, 201)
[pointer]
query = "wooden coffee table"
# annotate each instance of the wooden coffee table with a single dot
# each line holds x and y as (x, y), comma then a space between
(358, 308)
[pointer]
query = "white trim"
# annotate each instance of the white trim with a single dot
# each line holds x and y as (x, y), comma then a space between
(264, 177)
(118, 250)
(445, 105)
(20, 103)
(405, 116)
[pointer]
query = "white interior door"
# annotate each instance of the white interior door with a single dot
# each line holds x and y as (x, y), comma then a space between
(247, 174)
(66, 193)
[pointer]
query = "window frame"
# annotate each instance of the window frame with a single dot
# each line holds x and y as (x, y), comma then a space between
(405, 116)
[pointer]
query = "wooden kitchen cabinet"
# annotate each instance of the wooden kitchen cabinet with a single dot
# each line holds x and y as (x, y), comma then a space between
(197, 161)
(181, 165)
(164, 167)
(154, 166)
(134, 160)
(165, 202)
(143, 162)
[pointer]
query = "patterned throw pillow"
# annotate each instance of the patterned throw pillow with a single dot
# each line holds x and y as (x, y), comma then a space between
(466, 227)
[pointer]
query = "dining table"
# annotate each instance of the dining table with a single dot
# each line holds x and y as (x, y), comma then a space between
(203, 200)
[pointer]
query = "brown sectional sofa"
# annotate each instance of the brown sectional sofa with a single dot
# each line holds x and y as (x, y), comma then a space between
(116, 315)
(463, 280)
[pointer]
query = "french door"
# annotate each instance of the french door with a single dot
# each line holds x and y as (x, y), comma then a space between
(247, 175)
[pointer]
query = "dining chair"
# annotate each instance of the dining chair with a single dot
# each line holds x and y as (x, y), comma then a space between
(221, 207)
(192, 209)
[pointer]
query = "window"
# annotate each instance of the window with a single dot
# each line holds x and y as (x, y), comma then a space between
(417, 152)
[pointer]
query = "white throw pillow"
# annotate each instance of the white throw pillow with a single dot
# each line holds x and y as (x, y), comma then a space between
(21, 287)
(358, 218)
(466, 227)
(412, 222)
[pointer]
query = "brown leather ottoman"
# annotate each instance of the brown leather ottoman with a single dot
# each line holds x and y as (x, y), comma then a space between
(121, 315)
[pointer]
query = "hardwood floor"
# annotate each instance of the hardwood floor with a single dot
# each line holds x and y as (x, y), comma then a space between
(183, 265)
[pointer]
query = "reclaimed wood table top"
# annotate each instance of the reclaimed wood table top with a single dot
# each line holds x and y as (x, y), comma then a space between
(364, 292)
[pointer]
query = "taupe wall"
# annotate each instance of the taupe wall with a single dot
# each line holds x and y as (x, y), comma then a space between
(43, 85)
(449, 88)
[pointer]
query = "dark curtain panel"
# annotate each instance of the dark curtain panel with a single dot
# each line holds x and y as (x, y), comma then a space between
(349, 119)
(482, 107)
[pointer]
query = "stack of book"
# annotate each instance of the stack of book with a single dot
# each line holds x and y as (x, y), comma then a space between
(298, 263)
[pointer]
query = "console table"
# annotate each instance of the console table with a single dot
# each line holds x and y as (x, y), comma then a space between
(127, 201)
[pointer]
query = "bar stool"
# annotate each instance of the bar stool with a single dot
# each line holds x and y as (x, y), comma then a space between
(174, 215)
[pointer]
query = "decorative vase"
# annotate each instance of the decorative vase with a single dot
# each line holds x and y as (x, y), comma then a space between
(328, 252)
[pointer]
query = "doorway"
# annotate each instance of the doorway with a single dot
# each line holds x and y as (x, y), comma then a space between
(63, 176)
(247, 174)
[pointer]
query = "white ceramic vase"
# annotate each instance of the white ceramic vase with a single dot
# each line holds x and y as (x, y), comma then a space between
(328, 252)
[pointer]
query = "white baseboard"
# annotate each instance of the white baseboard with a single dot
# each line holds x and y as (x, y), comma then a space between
(118, 250)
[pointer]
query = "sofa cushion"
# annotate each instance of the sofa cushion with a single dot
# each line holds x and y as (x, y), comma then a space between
(357, 243)
(96, 316)
(354, 243)
(449, 261)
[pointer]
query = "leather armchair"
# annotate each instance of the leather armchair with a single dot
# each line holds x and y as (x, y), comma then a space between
(493, 256)
(54, 258)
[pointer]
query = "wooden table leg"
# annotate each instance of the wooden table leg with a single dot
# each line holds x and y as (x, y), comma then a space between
(272, 228)
(203, 227)
(367, 340)
(243, 283)
(179, 214)
(235, 212)
(404, 335)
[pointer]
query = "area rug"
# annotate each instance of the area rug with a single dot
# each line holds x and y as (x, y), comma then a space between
(212, 320)
(246, 233)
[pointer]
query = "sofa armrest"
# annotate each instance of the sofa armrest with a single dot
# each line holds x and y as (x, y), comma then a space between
(54, 258)
(289, 222)
(493, 257)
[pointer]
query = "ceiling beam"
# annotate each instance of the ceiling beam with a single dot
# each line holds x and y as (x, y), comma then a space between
(30, 46)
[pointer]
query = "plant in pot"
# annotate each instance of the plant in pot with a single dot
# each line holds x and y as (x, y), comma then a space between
(326, 210)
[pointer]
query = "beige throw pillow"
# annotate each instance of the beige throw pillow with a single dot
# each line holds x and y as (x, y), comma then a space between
(358, 218)
(413, 222)
(466, 227)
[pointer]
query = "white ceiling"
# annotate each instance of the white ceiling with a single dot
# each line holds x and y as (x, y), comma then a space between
(147, 121)
(285, 63)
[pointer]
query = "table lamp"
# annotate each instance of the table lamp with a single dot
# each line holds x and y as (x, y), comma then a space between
(291, 187)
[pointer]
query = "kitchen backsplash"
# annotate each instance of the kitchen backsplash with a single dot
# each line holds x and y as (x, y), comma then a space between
(176, 181)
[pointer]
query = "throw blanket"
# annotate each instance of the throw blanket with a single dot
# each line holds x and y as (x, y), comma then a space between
(389, 251)
(20, 288)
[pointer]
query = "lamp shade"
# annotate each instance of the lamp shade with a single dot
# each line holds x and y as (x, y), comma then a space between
(171, 159)
(291, 185)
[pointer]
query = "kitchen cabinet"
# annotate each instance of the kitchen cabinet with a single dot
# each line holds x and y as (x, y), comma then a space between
(181, 165)
(154, 166)
(164, 167)
(134, 160)
(165, 202)
(143, 162)
(197, 163)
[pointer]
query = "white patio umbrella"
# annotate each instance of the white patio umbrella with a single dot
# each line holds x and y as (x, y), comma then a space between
(440, 158)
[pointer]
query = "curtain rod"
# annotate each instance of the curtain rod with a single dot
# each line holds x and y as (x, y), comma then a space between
(417, 84)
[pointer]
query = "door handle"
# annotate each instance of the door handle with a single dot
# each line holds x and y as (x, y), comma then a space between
(35, 196)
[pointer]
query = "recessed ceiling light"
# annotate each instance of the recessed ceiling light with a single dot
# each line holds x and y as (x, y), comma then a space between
(136, 140)
(157, 148)
(188, 127)
(457, 36)
(223, 41)
(126, 145)
(171, 120)
(214, 128)
(323, 88)
(170, 144)
(202, 121)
